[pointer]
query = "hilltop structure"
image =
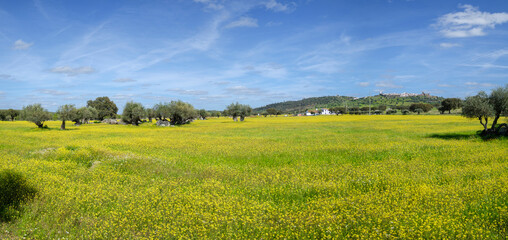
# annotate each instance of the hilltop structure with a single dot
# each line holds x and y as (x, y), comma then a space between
(404, 94)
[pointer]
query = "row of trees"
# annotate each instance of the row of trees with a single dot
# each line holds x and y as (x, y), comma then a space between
(480, 106)
(9, 114)
(174, 112)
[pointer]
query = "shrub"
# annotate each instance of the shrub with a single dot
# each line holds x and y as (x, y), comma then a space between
(391, 111)
(14, 191)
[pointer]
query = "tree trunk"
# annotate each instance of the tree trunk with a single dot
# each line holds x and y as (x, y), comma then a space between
(493, 127)
(485, 127)
(242, 118)
(39, 124)
(62, 127)
(235, 118)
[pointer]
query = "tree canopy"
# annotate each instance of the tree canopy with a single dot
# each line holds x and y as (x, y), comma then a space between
(450, 104)
(133, 112)
(498, 99)
(424, 107)
(478, 107)
(178, 112)
(236, 110)
(105, 107)
(66, 112)
(181, 112)
(35, 113)
(203, 114)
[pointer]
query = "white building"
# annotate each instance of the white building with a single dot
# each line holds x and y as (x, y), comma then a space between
(325, 111)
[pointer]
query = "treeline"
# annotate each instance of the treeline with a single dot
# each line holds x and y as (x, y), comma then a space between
(392, 102)
(102, 109)
(9, 114)
(306, 103)
(447, 104)
(482, 106)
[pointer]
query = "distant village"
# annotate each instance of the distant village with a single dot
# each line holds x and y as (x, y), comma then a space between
(326, 111)
(404, 94)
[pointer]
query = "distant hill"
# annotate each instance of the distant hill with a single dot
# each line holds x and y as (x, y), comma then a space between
(341, 101)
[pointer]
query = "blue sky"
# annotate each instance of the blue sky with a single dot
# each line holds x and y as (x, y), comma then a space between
(214, 52)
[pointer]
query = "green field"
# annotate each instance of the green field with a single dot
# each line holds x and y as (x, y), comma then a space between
(266, 178)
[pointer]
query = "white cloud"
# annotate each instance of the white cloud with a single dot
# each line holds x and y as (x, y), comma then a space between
(188, 92)
(243, 22)
(52, 92)
(469, 23)
(273, 24)
(124, 80)
(222, 82)
(211, 4)
(279, 7)
(445, 85)
(404, 77)
(326, 66)
(449, 45)
(269, 70)
(476, 84)
(364, 84)
(73, 71)
(486, 65)
(242, 90)
(387, 84)
(123, 96)
(213, 97)
(21, 45)
(497, 54)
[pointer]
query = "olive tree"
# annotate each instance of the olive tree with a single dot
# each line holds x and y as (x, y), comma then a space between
(162, 111)
(150, 113)
(84, 114)
(478, 107)
(271, 111)
(3, 115)
(89, 113)
(236, 110)
(66, 112)
(245, 110)
(178, 112)
(498, 99)
(35, 113)
(181, 112)
(203, 114)
(483, 106)
(12, 114)
(133, 113)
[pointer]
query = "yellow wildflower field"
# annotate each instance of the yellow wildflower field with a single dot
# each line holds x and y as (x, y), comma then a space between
(330, 177)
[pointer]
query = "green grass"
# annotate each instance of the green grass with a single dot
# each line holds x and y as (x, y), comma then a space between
(275, 177)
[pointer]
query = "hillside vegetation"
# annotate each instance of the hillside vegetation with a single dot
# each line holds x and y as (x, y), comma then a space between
(341, 101)
(350, 177)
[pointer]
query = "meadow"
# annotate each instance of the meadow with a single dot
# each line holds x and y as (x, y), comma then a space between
(330, 177)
